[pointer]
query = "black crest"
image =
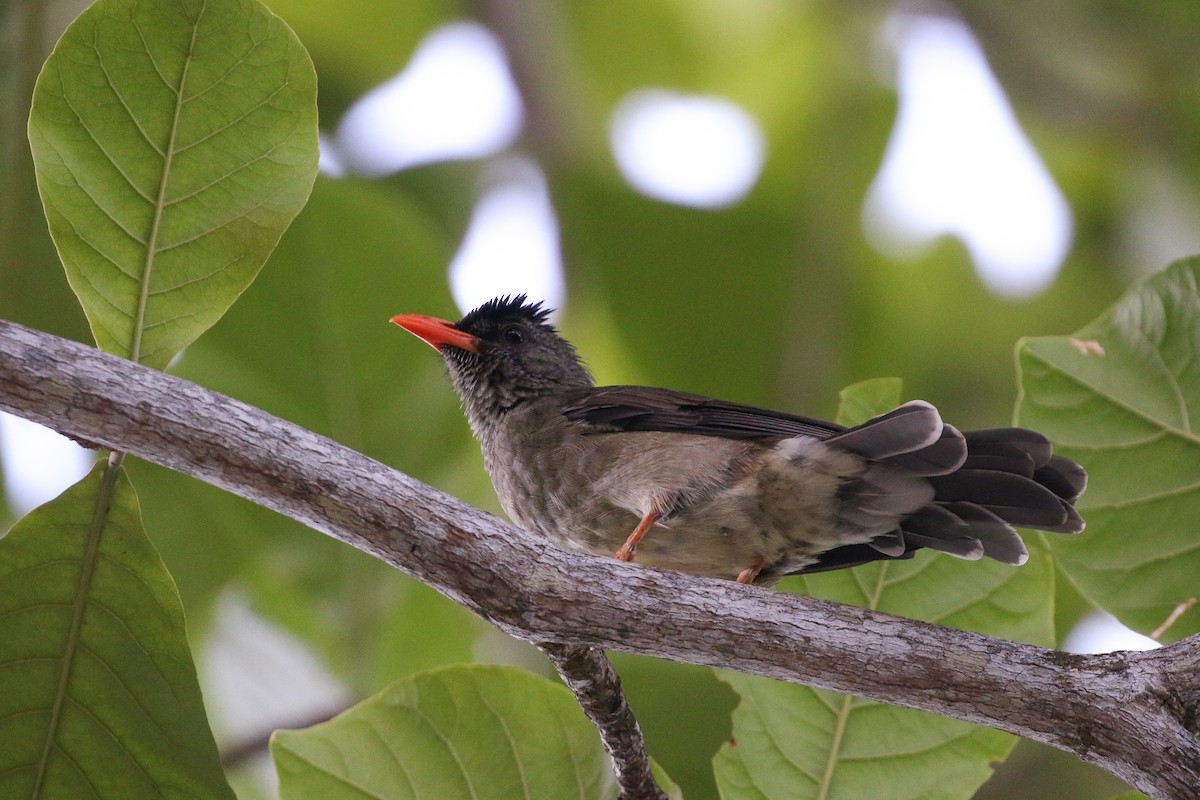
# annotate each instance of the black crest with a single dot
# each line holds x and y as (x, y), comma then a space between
(509, 307)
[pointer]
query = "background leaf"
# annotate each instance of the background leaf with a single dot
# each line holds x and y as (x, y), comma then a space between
(174, 142)
(100, 694)
(869, 398)
(1127, 411)
(459, 732)
(794, 741)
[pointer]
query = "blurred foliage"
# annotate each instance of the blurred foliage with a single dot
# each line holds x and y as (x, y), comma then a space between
(778, 300)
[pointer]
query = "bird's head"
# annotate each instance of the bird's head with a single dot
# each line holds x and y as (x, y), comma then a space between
(501, 354)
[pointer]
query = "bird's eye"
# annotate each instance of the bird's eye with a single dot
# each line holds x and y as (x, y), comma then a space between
(513, 335)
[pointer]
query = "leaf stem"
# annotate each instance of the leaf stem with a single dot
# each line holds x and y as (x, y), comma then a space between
(847, 705)
(87, 569)
(139, 319)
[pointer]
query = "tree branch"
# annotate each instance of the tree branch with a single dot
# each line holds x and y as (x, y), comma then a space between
(590, 675)
(1134, 714)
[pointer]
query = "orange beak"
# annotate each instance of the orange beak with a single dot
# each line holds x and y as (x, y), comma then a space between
(437, 333)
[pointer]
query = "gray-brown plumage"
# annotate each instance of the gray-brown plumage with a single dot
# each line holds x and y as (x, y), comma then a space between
(715, 488)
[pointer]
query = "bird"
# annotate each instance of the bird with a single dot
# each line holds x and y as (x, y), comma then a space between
(719, 489)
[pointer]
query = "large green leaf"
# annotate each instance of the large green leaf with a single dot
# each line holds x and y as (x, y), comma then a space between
(174, 142)
(460, 732)
(1122, 395)
(100, 697)
(797, 742)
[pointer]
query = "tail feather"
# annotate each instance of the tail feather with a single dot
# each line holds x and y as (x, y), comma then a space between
(961, 546)
(891, 544)
(1012, 443)
(1074, 523)
(998, 538)
(913, 437)
(942, 457)
(984, 484)
(1012, 497)
(1016, 463)
(911, 428)
(939, 529)
(1063, 477)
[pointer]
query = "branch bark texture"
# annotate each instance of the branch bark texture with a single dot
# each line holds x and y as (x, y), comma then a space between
(591, 676)
(1134, 714)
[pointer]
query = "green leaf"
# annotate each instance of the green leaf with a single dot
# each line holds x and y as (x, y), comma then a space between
(472, 732)
(870, 398)
(174, 143)
(100, 694)
(782, 748)
(798, 742)
(1122, 396)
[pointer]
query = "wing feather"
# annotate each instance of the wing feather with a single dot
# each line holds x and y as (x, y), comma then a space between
(641, 408)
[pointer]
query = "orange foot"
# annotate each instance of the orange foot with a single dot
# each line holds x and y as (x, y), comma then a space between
(629, 549)
(750, 573)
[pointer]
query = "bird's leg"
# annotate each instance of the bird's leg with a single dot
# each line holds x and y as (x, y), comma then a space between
(751, 572)
(629, 549)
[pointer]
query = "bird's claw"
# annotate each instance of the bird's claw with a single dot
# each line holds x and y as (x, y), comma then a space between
(750, 573)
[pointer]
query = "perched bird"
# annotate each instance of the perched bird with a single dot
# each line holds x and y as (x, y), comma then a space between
(713, 488)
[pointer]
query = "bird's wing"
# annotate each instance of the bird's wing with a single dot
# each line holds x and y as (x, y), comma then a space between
(642, 408)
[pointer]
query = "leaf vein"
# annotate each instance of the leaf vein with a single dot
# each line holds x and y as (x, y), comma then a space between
(220, 178)
(235, 121)
(508, 737)
(129, 112)
(100, 723)
(83, 125)
(1133, 502)
(1167, 428)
